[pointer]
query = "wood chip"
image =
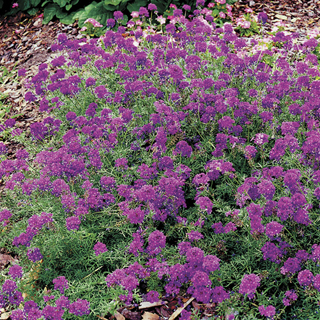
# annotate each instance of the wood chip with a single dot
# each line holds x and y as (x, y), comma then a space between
(282, 17)
(5, 259)
(119, 316)
(5, 315)
(150, 316)
(179, 310)
(145, 305)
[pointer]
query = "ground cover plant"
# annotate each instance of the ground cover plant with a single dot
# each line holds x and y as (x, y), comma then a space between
(180, 163)
(68, 11)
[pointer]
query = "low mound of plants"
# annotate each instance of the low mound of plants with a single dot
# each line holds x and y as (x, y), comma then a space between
(184, 162)
(68, 11)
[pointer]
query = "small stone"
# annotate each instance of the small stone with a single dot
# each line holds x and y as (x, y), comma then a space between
(282, 17)
(38, 23)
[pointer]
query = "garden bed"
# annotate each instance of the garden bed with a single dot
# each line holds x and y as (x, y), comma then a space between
(179, 169)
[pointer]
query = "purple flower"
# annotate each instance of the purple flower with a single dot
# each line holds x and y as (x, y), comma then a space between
(110, 23)
(195, 255)
(143, 12)
(58, 62)
(153, 296)
(80, 307)
(18, 315)
(176, 72)
(200, 279)
(136, 215)
(271, 252)
(261, 139)
(219, 294)
(121, 163)
(156, 241)
(22, 72)
(205, 204)
(63, 302)
(249, 284)
(291, 266)
(60, 284)
(218, 227)
(262, 17)
(34, 254)
(38, 130)
(273, 228)
(71, 116)
(9, 286)
(118, 15)
(90, 82)
(211, 263)
(73, 223)
(268, 312)
(183, 148)
(250, 152)
(16, 298)
(99, 248)
(305, 277)
(152, 7)
(290, 296)
(186, 7)
(5, 214)
(194, 235)
(10, 123)
(29, 96)
(15, 271)
(225, 122)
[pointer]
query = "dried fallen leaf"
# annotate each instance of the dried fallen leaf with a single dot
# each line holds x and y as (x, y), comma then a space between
(150, 316)
(119, 316)
(282, 17)
(145, 305)
(5, 315)
(102, 318)
(196, 305)
(179, 310)
(5, 259)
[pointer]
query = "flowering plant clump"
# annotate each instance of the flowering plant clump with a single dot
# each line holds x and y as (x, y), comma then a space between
(92, 28)
(249, 23)
(180, 164)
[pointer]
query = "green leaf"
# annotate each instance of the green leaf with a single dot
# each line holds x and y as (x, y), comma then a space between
(1, 4)
(68, 7)
(24, 5)
(60, 14)
(215, 12)
(69, 19)
(45, 2)
(136, 5)
(49, 12)
(35, 3)
(61, 3)
(111, 2)
(161, 5)
(32, 11)
(96, 11)
(122, 6)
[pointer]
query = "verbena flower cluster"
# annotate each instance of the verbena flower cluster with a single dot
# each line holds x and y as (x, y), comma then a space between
(186, 161)
(9, 295)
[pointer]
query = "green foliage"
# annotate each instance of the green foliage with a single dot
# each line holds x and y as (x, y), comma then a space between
(68, 11)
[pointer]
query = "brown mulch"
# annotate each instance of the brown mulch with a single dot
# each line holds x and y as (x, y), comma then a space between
(26, 42)
(300, 15)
